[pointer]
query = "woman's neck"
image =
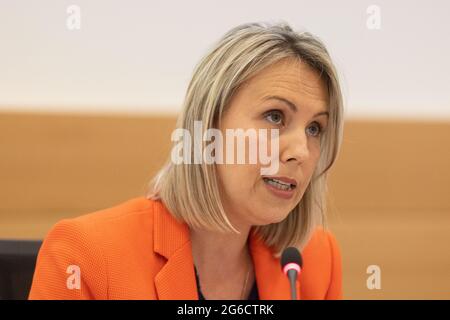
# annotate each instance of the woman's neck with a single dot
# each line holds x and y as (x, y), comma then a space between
(224, 264)
(220, 251)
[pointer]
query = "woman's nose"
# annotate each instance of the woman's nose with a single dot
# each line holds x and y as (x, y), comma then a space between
(294, 146)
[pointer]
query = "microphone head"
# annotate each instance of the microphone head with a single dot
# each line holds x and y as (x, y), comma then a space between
(291, 259)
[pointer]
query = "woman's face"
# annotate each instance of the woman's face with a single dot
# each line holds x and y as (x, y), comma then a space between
(289, 96)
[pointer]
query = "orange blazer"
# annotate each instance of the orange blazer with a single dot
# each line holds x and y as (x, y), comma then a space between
(137, 250)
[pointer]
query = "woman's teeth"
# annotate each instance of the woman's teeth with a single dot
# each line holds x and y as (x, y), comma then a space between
(279, 184)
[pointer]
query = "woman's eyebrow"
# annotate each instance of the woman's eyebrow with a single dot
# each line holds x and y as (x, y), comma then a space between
(292, 106)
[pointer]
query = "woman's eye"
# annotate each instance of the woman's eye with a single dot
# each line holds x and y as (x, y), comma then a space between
(274, 116)
(318, 129)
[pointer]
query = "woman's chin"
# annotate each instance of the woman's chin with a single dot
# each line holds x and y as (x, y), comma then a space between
(271, 216)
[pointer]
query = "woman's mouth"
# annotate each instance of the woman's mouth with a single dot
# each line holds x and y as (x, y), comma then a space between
(280, 188)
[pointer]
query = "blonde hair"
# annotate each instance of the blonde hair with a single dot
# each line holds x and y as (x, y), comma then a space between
(190, 191)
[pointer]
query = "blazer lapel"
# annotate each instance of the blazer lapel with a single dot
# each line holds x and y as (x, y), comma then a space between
(176, 279)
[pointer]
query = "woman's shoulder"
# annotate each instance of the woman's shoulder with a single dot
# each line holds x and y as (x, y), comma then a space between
(95, 246)
(124, 210)
(322, 245)
(120, 223)
(322, 264)
(321, 237)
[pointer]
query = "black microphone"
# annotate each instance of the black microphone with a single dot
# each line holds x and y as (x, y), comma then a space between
(291, 264)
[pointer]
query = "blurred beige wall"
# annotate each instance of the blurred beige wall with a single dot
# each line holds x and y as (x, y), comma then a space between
(389, 190)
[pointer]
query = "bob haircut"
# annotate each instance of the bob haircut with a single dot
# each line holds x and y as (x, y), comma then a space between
(190, 191)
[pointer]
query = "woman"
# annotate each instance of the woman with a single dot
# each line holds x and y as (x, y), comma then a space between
(216, 230)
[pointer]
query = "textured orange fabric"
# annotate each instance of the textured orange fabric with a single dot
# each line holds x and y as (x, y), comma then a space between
(137, 250)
